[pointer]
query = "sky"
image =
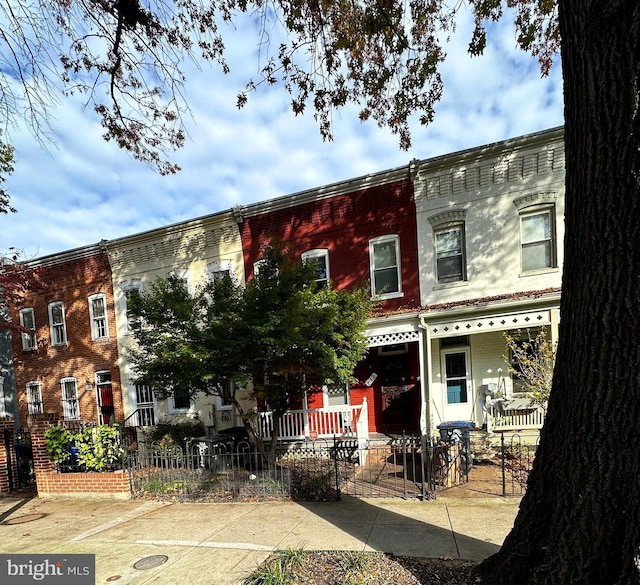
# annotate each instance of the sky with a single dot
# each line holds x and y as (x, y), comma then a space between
(80, 189)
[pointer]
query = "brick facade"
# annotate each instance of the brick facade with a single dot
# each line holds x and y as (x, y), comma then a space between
(70, 278)
(52, 483)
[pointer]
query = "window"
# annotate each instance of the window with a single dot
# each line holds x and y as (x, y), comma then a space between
(34, 397)
(320, 260)
(128, 290)
(450, 254)
(57, 323)
(98, 316)
(180, 399)
(70, 406)
(28, 321)
(384, 254)
(219, 270)
(537, 232)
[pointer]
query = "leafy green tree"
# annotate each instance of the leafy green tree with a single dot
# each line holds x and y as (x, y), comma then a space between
(531, 361)
(282, 332)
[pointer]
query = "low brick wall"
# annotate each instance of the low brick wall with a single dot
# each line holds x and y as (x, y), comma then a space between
(52, 483)
(113, 484)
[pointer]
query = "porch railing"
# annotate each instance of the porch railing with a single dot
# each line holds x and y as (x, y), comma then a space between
(516, 420)
(318, 423)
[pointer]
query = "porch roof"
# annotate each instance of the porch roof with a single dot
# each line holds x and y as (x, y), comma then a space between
(500, 313)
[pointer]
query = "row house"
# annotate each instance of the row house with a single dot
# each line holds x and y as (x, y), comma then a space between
(67, 361)
(490, 228)
(361, 231)
(457, 250)
(196, 251)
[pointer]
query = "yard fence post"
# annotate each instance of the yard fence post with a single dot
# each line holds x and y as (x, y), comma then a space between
(504, 477)
(336, 468)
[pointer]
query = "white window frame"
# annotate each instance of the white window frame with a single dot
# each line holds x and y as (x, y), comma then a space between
(99, 324)
(372, 244)
(56, 327)
(548, 210)
(257, 265)
(69, 412)
(461, 253)
(126, 288)
(184, 276)
(34, 390)
(29, 341)
(175, 410)
(316, 253)
(216, 270)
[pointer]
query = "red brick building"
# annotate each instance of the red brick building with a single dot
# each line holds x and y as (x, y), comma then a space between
(69, 364)
(359, 231)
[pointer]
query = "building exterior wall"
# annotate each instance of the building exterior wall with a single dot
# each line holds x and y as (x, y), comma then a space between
(70, 278)
(191, 250)
(489, 187)
(342, 219)
(345, 220)
(489, 193)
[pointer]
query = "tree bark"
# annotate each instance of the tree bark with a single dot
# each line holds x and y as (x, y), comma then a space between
(579, 521)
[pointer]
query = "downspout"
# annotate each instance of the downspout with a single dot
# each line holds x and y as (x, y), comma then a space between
(426, 367)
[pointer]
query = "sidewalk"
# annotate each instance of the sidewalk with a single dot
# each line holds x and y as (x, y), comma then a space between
(219, 544)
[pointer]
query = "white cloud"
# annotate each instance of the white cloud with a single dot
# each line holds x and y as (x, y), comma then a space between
(86, 189)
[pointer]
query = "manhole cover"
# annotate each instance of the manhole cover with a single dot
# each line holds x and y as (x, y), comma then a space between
(113, 578)
(150, 562)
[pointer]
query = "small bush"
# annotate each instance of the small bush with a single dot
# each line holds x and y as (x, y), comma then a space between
(169, 434)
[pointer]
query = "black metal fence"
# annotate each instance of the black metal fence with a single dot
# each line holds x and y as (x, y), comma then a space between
(19, 457)
(211, 470)
(516, 459)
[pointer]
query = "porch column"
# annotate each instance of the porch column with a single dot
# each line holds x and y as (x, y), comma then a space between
(425, 369)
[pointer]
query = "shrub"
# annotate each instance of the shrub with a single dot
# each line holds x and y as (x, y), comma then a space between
(57, 441)
(169, 434)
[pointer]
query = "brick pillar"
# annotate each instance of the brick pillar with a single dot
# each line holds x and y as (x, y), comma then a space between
(38, 424)
(7, 459)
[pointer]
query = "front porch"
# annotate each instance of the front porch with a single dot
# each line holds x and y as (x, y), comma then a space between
(346, 422)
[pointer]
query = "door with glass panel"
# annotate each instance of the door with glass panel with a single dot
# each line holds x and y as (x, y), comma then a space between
(456, 385)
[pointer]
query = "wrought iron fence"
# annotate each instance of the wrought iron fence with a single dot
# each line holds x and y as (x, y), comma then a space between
(19, 457)
(516, 457)
(213, 470)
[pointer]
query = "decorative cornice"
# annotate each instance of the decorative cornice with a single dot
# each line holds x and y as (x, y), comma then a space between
(535, 199)
(447, 217)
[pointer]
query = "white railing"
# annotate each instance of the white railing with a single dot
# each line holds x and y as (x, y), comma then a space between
(515, 420)
(317, 423)
(143, 416)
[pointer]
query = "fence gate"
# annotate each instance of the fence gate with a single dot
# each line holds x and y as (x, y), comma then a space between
(19, 457)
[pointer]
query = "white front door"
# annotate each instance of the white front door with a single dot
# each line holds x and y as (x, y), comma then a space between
(456, 385)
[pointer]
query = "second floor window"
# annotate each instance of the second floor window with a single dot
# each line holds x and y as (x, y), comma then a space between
(70, 406)
(57, 324)
(537, 238)
(34, 397)
(320, 261)
(98, 315)
(28, 321)
(450, 256)
(384, 256)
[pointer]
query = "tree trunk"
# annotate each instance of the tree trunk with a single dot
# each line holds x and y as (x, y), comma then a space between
(579, 521)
